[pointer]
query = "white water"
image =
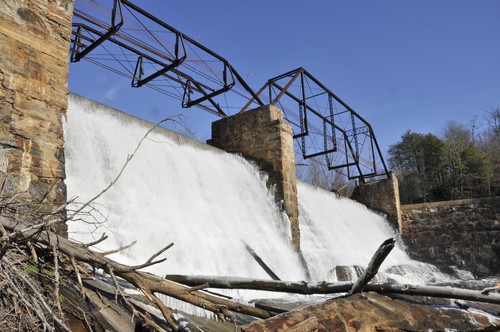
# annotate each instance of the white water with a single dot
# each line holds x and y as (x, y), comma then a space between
(207, 202)
(339, 231)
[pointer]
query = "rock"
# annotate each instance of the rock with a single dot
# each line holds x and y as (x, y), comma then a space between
(375, 312)
(345, 273)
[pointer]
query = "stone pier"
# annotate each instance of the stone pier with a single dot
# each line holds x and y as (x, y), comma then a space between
(263, 136)
(34, 43)
(381, 196)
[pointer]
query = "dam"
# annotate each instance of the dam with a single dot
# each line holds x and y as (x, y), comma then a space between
(210, 204)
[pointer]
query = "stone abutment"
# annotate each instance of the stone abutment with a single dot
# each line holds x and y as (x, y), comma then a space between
(34, 44)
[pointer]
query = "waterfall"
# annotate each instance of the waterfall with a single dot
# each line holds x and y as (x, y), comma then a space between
(337, 231)
(209, 204)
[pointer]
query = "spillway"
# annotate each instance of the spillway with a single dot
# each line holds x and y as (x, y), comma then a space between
(337, 231)
(209, 203)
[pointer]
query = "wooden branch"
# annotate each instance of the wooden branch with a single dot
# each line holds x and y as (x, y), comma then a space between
(118, 289)
(78, 276)
(197, 288)
(161, 251)
(114, 251)
(149, 322)
(93, 243)
(5, 241)
(435, 291)
(261, 262)
(36, 307)
(309, 288)
(372, 269)
(488, 290)
(141, 266)
(85, 320)
(150, 261)
(56, 279)
(167, 312)
(198, 298)
(32, 250)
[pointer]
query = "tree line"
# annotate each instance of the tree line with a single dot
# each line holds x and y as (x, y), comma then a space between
(463, 162)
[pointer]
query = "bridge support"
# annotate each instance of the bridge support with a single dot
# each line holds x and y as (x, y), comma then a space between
(263, 136)
(382, 196)
(34, 42)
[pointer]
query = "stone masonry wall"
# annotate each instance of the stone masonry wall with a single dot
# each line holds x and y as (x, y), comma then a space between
(382, 196)
(263, 136)
(34, 43)
(463, 233)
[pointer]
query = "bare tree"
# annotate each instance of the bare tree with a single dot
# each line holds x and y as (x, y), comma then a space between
(491, 145)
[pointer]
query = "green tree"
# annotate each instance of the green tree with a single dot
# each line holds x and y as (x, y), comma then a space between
(417, 160)
(430, 168)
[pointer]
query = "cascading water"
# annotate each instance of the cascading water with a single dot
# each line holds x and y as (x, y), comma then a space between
(209, 203)
(337, 231)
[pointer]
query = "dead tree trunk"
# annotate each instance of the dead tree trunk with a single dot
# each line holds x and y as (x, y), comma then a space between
(262, 264)
(298, 287)
(372, 269)
(309, 288)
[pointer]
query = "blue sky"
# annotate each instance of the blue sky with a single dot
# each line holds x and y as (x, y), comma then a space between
(402, 65)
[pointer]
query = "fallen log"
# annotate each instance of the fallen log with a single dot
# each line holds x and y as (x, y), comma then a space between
(310, 288)
(297, 287)
(372, 268)
(434, 291)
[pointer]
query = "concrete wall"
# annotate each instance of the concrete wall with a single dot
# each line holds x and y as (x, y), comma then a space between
(381, 196)
(262, 135)
(464, 233)
(34, 43)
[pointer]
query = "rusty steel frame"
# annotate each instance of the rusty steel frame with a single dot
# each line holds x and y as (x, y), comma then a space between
(350, 136)
(82, 45)
(91, 33)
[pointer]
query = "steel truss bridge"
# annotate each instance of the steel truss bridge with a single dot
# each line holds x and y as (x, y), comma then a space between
(133, 43)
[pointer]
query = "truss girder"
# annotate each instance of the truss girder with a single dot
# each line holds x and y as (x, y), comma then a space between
(359, 159)
(197, 76)
(195, 86)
